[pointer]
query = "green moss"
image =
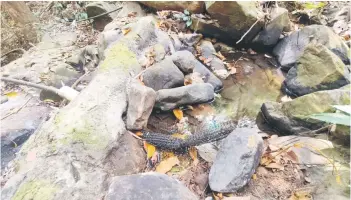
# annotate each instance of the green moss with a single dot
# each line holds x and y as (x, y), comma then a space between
(318, 65)
(119, 55)
(38, 189)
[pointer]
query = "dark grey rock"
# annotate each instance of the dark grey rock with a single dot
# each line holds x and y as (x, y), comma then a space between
(168, 99)
(317, 69)
(97, 8)
(292, 117)
(149, 185)
(130, 7)
(187, 62)
(141, 100)
(87, 58)
(216, 64)
(291, 48)
(236, 160)
(163, 75)
(269, 36)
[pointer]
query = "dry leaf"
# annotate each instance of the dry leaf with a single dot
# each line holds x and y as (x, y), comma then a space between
(188, 81)
(265, 160)
(292, 156)
(207, 61)
(338, 179)
(301, 195)
(126, 31)
(139, 133)
(178, 135)
(275, 166)
(11, 94)
(219, 55)
(178, 113)
(298, 145)
(132, 14)
(254, 176)
(193, 155)
(150, 149)
(167, 164)
(232, 70)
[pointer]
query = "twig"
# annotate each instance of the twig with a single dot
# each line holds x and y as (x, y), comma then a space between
(242, 37)
(19, 49)
(100, 14)
(140, 73)
(134, 135)
(11, 113)
(312, 133)
(47, 7)
(74, 85)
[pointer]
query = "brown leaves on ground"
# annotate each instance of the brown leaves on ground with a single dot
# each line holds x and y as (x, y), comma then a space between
(166, 165)
(193, 155)
(126, 31)
(150, 56)
(219, 55)
(231, 67)
(301, 195)
(206, 61)
(150, 149)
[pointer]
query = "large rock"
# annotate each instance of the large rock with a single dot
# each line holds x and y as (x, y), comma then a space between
(168, 99)
(187, 62)
(151, 185)
(216, 64)
(317, 69)
(18, 127)
(291, 48)
(163, 75)
(72, 155)
(131, 7)
(87, 58)
(97, 8)
(141, 100)
(191, 6)
(236, 161)
(292, 117)
(234, 19)
(270, 35)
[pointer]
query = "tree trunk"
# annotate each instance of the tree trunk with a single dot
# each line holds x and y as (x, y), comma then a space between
(19, 12)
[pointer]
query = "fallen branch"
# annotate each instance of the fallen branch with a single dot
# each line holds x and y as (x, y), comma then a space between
(100, 14)
(47, 7)
(312, 133)
(74, 85)
(11, 113)
(242, 37)
(43, 87)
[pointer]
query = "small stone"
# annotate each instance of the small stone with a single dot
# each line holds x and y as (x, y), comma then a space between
(163, 75)
(141, 100)
(168, 99)
(153, 185)
(236, 161)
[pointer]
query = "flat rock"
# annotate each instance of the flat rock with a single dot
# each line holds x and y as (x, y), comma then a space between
(187, 63)
(317, 69)
(233, 20)
(270, 35)
(191, 6)
(291, 117)
(168, 99)
(163, 75)
(216, 64)
(151, 184)
(141, 100)
(236, 161)
(291, 48)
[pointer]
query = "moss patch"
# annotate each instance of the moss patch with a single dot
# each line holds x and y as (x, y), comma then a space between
(38, 189)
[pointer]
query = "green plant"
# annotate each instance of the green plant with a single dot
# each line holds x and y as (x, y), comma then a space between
(342, 116)
(187, 18)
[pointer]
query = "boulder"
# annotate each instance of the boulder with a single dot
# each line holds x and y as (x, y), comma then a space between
(216, 64)
(291, 117)
(291, 48)
(236, 160)
(234, 19)
(153, 185)
(131, 7)
(163, 75)
(169, 99)
(141, 100)
(317, 69)
(187, 63)
(191, 6)
(97, 8)
(270, 35)
(87, 58)
(72, 155)
(106, 38)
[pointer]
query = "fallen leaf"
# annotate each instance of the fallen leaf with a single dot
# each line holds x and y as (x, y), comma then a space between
(338, 179)
(150, 149)
(298, 145)
(139, 133)
(178, 113)
(193, 155)
(275, 166)
(292, 156)
(232, 71)
(265, 160)
(301, 195)
(254, 176)
(167, 165)
(207, 61)
(11, 94)
(132, 14)
(187, 81)
(126, 31)
(219, 55)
